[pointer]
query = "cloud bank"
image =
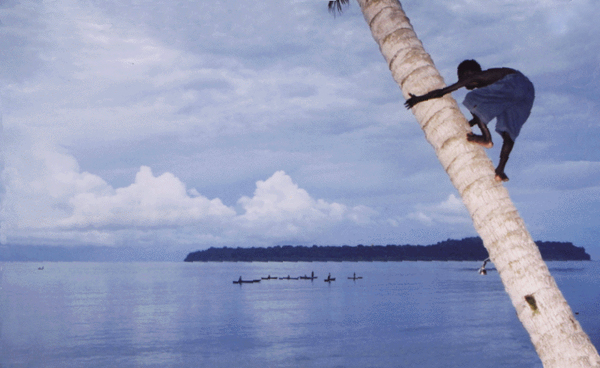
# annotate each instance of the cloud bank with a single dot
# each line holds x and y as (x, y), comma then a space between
(62, 199)
(196, 124)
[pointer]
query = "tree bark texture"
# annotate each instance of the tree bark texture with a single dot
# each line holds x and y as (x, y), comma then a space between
(555, 333)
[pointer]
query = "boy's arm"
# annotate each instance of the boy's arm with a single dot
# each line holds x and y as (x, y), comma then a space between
(413, 100)
(479, 80)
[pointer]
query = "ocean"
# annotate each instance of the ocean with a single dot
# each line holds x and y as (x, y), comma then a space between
(400, 314)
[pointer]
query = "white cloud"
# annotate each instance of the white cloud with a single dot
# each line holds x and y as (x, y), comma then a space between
(149, 202)
(45, 189)
(421, 217)
(49, 197)
(280, 208)
(39, 180)
(449, 212)
(452, 205)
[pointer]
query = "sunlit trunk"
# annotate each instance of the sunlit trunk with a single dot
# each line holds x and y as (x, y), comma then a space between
(557, 336)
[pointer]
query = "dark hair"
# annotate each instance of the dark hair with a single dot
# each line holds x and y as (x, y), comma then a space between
(468, 65)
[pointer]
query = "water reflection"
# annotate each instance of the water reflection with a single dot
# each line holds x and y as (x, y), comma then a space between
(435, 314)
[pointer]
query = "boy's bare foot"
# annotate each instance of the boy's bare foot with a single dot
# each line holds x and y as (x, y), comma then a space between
(501, 176)
(479, 140)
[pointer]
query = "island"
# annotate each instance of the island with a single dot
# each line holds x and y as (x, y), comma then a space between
(468, 249)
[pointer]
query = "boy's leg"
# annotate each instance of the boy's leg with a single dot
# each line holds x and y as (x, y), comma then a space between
(485, 139)
(473, 121)
(507, 147)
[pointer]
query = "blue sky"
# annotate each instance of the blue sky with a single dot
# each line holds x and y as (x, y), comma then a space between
(185, 125)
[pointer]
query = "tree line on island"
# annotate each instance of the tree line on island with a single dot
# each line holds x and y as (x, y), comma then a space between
(468, 249)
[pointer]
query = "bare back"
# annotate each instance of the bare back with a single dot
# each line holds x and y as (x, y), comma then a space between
(487, 77)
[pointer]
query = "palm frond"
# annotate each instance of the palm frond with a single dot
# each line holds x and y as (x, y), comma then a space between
(337, 6)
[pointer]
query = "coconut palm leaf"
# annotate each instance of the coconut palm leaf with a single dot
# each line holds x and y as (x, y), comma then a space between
(337, 6)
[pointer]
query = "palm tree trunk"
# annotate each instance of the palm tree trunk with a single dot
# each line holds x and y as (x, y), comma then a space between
(557, 336)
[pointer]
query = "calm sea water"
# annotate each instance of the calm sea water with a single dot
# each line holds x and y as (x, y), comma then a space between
(406, 314)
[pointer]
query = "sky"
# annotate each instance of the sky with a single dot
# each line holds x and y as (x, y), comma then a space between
(181, 125)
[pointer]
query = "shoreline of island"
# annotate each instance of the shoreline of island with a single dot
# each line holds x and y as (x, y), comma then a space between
(467, 249)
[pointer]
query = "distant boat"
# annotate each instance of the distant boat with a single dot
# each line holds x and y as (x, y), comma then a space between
(288, 278)
(240, 281)
(311, 277)
(41, 268)
(329, 278)
(354, 277)
(269, 278)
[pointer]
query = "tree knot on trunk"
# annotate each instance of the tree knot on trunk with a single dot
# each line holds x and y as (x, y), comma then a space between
(532, 303)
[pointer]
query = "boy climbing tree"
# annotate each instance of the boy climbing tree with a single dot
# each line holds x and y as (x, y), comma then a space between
(501, 93)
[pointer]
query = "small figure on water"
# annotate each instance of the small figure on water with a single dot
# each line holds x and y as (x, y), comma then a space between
(329, 278)
(354, 277)
(482, 270)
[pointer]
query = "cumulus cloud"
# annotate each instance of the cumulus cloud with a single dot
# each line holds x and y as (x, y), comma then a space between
(149, 202)
(449, 212)
(279, 199)
(39, 180)
(48, 196)
(280, 208)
